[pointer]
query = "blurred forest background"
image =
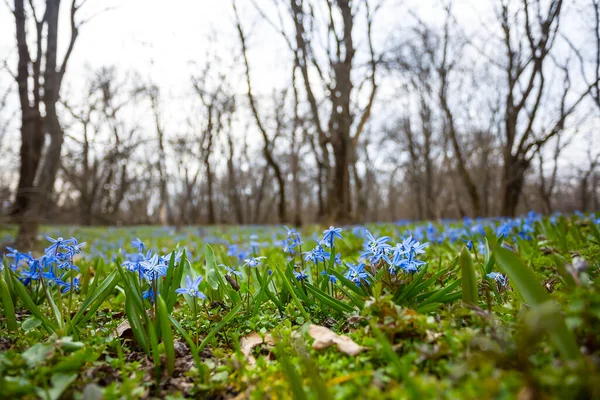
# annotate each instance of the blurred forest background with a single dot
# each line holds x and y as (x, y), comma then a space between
(299, 111)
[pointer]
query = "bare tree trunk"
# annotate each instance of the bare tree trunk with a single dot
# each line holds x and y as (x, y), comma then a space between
(32, 123)
(513, 178)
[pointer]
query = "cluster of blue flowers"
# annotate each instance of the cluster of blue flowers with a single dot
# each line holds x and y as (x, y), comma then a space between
(403, 256)
(55, 268)
(149, 267)
(292, 242)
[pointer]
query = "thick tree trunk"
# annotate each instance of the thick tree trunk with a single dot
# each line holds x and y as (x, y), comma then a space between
(339, 202)
(513, 178)
(583, 193)
(32, 123)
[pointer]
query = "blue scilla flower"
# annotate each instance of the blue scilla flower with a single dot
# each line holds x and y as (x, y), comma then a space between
(18, 257)
(373, 242)
(75, 246)
(501, 279)
(253, 261)
(55, 246)
(338, 259)
(232, 250)
(292, 234)
(67, 286)
(292, 241)
(154, 267)
(411, 266)
(357, 274)
(177, 254)
(51, 277)
(33, 273)
(316, 254)
(332, 278)
(377, 249)
(469, 244)
(192, 287)
(149, 295)
(504, 229)
(230, 271)
(301, 275)
(137, 243)
(414, 247)
(330, 234)
(399, 253)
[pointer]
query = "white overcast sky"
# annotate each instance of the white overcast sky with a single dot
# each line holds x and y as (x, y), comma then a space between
(161, 39)
(173, 33)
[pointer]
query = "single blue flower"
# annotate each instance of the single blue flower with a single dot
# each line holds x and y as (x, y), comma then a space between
(67, 287)
(192, 288)
(501, 279)
(330, 234)
(301, 275)
(32, 274)
(357, 274)
(149, 295)
(253, 261)
(338, 259)
(139, 245)
(55, 246)
(469, 244)
(230, 271)
(332, 278)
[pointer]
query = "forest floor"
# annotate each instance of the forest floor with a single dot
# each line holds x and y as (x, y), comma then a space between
(491, 308)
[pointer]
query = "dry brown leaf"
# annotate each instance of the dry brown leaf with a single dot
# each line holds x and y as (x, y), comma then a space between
(124, 331)
(249, 342)
(325, 337)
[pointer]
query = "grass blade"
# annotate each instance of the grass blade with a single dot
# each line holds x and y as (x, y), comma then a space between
(167, 335)
(30, 305)
(218, 327)
(468, 277)
(7, 304)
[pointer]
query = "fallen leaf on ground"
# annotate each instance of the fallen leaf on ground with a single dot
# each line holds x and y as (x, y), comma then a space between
(124, 331)
(325, 337)
(249, 342)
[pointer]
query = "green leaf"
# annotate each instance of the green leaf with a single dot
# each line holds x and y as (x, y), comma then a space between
(468, 277)
(523, 279)
(60, 383)
(297, 302)
(30, 324)
(292, 375)
(30, 305)
(188, 339)
(176, 281)
(265, 286)
(211, 267)
(167, 335)
(328, 301)
(37, 354)
(8, 306)
(137, 326)
(94, 300)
